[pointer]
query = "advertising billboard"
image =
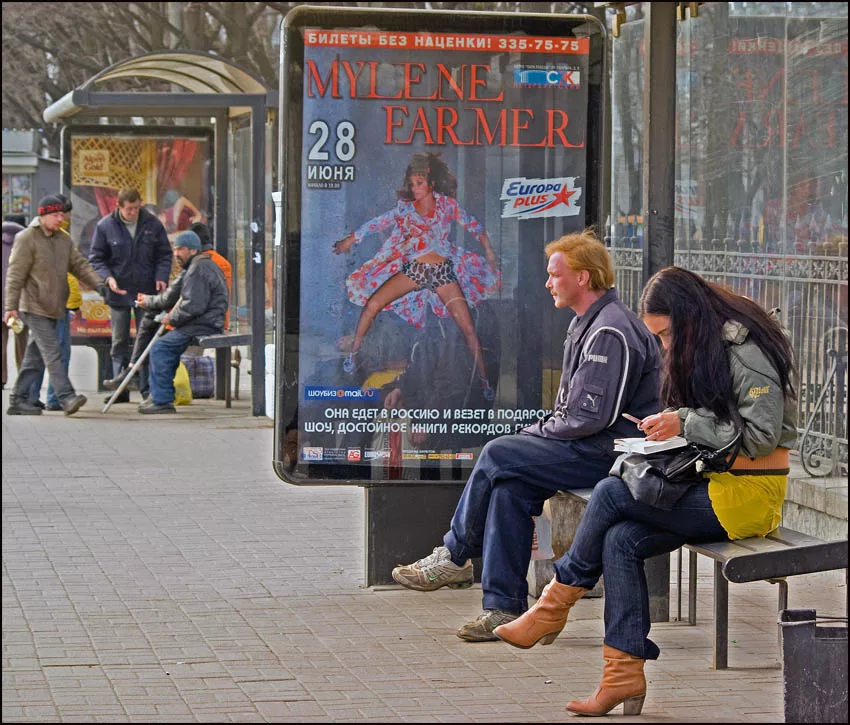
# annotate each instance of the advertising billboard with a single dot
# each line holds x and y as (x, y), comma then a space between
(171, 169)
(427, 159)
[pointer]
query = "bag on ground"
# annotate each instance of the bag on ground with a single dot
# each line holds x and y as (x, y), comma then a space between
(182, 389)
(201, 374)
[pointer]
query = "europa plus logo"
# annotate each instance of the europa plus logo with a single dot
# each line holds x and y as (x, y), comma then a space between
(535, 198)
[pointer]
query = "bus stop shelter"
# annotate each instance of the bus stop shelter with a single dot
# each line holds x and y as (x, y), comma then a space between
(229, 101)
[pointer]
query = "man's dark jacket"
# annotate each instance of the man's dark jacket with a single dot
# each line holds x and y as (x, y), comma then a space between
(137, 264)
(203, 299)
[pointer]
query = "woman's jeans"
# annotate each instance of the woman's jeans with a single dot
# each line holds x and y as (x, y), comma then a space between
(615, 536)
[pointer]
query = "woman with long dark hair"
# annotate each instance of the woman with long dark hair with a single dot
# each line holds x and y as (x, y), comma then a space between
(418, 264)
(727, 366)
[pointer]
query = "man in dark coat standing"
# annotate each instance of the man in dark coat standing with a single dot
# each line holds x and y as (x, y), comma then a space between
(131, 251)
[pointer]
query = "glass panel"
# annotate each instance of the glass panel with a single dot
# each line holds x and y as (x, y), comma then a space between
(625, 223)
(762, 184)
(239, 238)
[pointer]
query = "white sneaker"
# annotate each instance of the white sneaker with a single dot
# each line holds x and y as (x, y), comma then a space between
(435, 571)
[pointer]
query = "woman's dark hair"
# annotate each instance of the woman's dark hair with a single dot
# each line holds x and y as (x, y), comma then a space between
(696, 369)
(434, 169)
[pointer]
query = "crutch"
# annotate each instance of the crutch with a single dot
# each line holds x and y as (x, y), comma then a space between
(129, 376)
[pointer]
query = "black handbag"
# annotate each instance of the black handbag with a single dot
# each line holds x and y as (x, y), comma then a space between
(660, 479)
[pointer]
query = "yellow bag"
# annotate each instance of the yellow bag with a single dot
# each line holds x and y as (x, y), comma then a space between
(182, 389)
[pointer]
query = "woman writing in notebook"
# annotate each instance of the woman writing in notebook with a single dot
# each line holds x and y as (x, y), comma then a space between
(727, 364)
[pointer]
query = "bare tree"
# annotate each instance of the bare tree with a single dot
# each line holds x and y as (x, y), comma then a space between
(47, 53)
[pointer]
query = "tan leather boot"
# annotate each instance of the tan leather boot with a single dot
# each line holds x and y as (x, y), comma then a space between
(622, 681)
(545, 620)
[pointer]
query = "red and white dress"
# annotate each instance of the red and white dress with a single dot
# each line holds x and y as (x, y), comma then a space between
(412, 236)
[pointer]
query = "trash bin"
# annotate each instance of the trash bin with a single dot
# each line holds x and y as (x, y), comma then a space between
(814, 666)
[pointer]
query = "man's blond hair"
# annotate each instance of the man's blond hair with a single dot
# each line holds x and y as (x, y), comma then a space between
(584, 251)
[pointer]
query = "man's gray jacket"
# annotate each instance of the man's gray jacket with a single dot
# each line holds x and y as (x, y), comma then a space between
(203, 299)
(611, 366)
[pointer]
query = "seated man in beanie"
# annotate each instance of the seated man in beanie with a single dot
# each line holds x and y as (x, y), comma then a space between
(199, 311)
(164, 302)
(36, 291)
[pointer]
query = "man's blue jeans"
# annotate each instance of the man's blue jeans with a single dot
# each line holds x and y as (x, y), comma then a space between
(513, 477)
(165, 358)
(615, 536)
(63, 334)
(120, 352)
(42, 350)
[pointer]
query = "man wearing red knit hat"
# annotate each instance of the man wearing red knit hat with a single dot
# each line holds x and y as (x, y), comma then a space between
(36, 291)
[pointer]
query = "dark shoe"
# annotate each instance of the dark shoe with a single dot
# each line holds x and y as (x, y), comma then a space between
(154, 409)
(481, 629)
(22, 407)
(53, 407)
(113, 383)
(39, 404)
(123, 398)
(74, 404)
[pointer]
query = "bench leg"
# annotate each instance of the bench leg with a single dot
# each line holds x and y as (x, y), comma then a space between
(227, 378)
(692, 587)
(721, 618)
(679, 585)
(783, 604)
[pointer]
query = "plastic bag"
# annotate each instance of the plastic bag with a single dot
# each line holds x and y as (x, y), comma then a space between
(182, 388)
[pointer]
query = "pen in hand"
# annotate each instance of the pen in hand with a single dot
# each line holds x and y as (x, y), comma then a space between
(636, 421)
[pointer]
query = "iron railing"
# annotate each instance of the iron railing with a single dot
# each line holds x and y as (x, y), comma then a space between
(811, 293)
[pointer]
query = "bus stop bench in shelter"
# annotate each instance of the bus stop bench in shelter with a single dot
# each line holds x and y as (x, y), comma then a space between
(780, 554)
(223, 344)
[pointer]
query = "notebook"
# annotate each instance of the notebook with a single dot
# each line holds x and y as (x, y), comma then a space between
(643, 446)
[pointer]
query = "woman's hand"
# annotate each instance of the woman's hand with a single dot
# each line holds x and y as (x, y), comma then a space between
(661, 426)
(343, 245)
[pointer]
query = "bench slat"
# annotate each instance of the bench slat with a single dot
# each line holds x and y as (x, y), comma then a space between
(789, 561)
(218, 341)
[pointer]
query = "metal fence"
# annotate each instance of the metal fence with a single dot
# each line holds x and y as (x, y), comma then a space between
(811, 294)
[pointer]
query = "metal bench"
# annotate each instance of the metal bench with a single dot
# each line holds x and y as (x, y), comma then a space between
(223, 344)
(780, 554)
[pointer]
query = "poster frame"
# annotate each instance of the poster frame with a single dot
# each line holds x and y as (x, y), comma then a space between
(292, 140)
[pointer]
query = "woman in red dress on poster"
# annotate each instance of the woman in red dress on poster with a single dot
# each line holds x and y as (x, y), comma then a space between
(418, 264)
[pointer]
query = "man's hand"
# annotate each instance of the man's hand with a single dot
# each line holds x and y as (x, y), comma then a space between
(141, 300)
(162, 318)
(161, 286)
(10, 315)
(113, 285)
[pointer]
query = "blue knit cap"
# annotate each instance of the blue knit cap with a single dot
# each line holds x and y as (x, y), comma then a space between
(188, 239)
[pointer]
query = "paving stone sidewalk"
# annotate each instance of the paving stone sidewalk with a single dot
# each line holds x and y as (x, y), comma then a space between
(156, 570)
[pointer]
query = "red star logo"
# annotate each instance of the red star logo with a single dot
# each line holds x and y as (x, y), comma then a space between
(562, 197)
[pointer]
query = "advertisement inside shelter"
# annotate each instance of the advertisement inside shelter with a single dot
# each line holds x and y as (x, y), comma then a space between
(172, 174)
(435, 166)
